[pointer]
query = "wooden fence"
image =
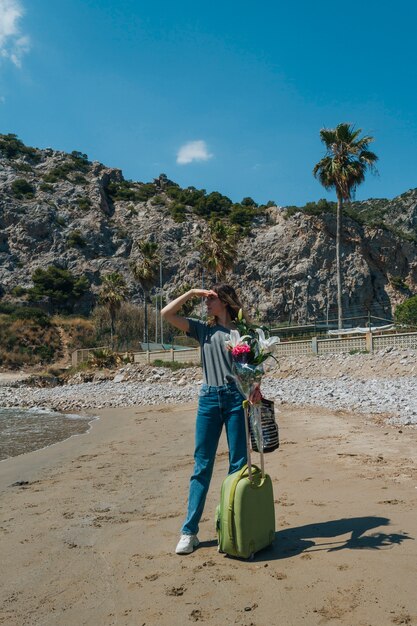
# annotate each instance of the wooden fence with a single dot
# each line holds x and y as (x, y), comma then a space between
(190, 355)
(368, 342)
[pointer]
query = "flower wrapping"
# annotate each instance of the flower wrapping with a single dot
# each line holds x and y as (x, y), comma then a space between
(250, 348)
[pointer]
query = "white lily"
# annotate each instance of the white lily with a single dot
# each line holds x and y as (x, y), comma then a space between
(234, 339)
(266, 344)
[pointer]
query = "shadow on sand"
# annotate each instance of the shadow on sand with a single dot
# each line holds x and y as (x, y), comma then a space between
(293, 541)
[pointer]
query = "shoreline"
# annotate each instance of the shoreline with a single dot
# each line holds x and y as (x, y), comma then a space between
(91, 420)
(90, 536)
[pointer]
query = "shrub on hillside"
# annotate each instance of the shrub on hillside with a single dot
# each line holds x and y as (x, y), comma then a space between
(178, 212)
(129, 326)
(25, 341)
(406, 312)
(21, 188)
(22, 167)
(73, 166)
(80, 332)
(17, 312)
(399, 283)
(18, 291)
(75, 239)
(84, 203)
(12, 148)
(213, 205)
(134, 192)
(100, 358)
(61, 287)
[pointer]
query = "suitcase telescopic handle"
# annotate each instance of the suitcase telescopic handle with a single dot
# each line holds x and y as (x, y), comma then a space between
(245, 404)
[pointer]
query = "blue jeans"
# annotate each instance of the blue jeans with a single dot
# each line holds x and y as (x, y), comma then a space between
(216, 406)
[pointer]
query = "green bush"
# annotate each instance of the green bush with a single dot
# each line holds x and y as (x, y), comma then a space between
(84, 203)
(178, 212)
(60, 172)
(243, 215)
(146, 191)
(399, 283)
(320, 207)
(61, 287)
(173, 365)
(79, 331)
(75, 239)
(79, 179)
(11, 147)
(60, 220)
(25, 341)
(21, 188)
(189, 196)
(80, 161)
(104, 358)
(406, 312)
(158, 200)
(290, 211)
(75, 165)
(22, 167)
(125, 191)
(311, 208)
(213, 205)
(25, 313)
(46, 187)
(18, 291)
(45, 353)
(249, 202)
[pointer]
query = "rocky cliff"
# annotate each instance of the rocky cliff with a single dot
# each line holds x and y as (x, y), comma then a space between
(62, 209)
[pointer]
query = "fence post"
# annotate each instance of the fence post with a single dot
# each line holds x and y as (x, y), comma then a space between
(369, 341)
(314, 347)
(172, 354)
(148, 357)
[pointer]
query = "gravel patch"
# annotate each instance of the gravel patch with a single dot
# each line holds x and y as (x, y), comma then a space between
(395, 398)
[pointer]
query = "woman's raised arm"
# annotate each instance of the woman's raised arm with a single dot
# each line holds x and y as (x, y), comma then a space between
(169, 312)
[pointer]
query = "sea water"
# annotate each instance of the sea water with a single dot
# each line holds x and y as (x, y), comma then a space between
(25, 430)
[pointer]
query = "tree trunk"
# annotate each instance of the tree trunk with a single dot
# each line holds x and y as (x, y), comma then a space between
(339, 263)
(146, 321)
(112, 326)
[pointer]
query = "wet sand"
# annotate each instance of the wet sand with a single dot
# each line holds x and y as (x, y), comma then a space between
(88, 527)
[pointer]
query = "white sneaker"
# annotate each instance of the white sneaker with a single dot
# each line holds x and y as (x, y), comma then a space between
(186, 544)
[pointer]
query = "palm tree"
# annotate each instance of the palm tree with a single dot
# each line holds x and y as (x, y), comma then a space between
(343, 168)
(219, 247)
(113, 292)
(146, 272)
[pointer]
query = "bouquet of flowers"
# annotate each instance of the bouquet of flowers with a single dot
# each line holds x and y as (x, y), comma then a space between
(250, 346)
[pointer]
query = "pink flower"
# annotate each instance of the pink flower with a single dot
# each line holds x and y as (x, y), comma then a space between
(242, 348)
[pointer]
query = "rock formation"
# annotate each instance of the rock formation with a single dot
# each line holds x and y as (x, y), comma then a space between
(58, 208)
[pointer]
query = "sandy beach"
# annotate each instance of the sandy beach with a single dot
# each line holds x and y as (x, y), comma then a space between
(89, 526)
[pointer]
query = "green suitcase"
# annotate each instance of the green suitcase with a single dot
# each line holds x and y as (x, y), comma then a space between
(245, 517)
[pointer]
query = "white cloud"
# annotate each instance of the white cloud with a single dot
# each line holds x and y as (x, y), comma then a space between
(13, 45)
(193, 151)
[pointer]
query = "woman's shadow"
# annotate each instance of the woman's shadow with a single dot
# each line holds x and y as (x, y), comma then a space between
(293, 541)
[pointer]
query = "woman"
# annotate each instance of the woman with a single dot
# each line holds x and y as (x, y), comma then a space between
(219, 400)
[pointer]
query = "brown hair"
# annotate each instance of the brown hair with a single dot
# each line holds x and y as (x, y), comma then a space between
(229, 297)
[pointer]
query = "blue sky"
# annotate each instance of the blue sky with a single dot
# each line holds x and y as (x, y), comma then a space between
(225, 96)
